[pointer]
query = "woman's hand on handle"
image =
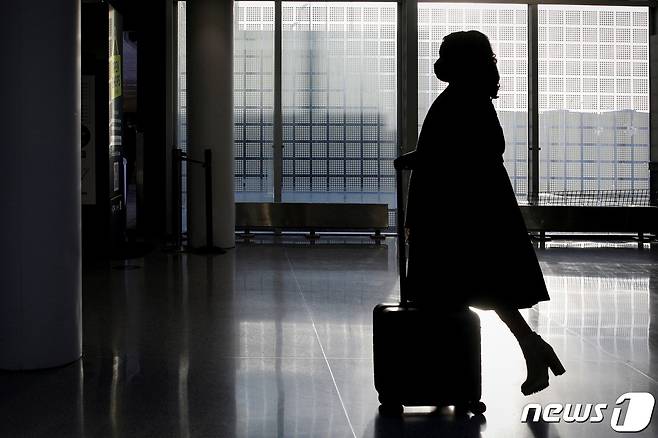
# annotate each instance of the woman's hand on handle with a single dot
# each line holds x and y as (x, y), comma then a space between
(406, 161)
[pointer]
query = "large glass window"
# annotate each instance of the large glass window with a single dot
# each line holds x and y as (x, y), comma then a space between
(594, 103)
(181, 103)
(339, 97)
(339, 101)
(253, 94)
(507, 29)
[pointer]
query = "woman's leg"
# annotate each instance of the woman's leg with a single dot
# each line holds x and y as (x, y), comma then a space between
(515, 322)
(539, 355)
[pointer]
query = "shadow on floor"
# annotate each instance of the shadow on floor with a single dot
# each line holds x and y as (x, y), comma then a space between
(442, 423)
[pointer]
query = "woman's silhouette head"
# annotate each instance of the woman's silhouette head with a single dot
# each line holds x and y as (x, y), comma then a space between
(466, 58)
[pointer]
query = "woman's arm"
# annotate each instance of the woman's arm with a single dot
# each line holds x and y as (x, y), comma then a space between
(406, 161)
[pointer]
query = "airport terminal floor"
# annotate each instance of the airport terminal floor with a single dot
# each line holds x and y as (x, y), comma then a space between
(274, 339)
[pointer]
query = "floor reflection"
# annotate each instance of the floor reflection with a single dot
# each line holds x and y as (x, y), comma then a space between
(276, 340)
(542, 429)
(611, 312)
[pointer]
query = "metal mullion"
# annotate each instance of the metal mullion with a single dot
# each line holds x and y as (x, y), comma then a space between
(653, 109)
(277, 117)
(533, 104)
(407, 79)
(408, 73)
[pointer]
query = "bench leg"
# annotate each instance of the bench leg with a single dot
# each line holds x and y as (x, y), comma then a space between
(377, 237)
(541, 238)
(246, 235)
(641, 240)
(312, 236)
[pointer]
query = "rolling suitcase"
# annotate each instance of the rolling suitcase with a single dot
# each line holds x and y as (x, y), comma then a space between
(423, 357)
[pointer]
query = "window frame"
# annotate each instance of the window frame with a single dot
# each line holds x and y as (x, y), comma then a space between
(407, 82)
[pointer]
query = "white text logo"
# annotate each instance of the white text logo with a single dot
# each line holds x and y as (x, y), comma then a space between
(633, 416)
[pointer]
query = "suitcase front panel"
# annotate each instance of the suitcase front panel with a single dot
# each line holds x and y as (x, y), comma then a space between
(426, 358)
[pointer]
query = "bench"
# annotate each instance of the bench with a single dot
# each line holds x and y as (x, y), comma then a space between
(638, 220)
(310, 217)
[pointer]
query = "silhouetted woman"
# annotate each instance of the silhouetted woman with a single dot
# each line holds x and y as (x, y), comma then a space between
(468, 244)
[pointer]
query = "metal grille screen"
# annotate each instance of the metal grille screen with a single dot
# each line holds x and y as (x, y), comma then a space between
(339, 95)
(339, 101)
(253, 85)
(594, 99)
(181, 103)
(506, 27)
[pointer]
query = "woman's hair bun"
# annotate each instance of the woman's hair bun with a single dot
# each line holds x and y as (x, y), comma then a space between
(467, 57)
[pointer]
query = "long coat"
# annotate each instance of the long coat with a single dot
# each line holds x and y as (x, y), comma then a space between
(468, 242)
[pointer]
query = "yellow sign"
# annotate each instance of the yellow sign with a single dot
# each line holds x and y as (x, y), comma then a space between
(115, 71)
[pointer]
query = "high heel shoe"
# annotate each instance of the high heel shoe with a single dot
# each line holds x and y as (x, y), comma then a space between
(539, 358)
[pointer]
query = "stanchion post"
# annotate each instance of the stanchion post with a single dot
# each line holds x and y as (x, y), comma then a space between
(210, 248)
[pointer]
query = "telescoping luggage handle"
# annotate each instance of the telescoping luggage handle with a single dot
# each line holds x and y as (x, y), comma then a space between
(400, 166)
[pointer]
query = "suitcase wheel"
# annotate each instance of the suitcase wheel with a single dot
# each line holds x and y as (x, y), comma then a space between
(391, 409)
(477, 407)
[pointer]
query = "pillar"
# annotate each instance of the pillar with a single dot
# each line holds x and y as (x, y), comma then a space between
(210, 117)
(40, 262)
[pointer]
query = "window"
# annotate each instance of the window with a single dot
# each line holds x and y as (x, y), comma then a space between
(507, 29)
(339, 97)
(253, 94)
(594, 103)
(339, 101)
(181, 103)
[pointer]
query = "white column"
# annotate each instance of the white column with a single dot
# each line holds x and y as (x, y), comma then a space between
(40, 264)
(210, 117)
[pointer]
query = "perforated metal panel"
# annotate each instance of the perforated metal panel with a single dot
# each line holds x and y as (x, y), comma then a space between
(181, 103)
(507, 29)
(339, 95)
(339, 101)
(253, 94)
(593, 98)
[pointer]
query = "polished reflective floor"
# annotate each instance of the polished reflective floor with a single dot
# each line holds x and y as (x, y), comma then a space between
(274, 339)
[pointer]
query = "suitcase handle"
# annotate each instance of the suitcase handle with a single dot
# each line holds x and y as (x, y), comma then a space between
(400, 165)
